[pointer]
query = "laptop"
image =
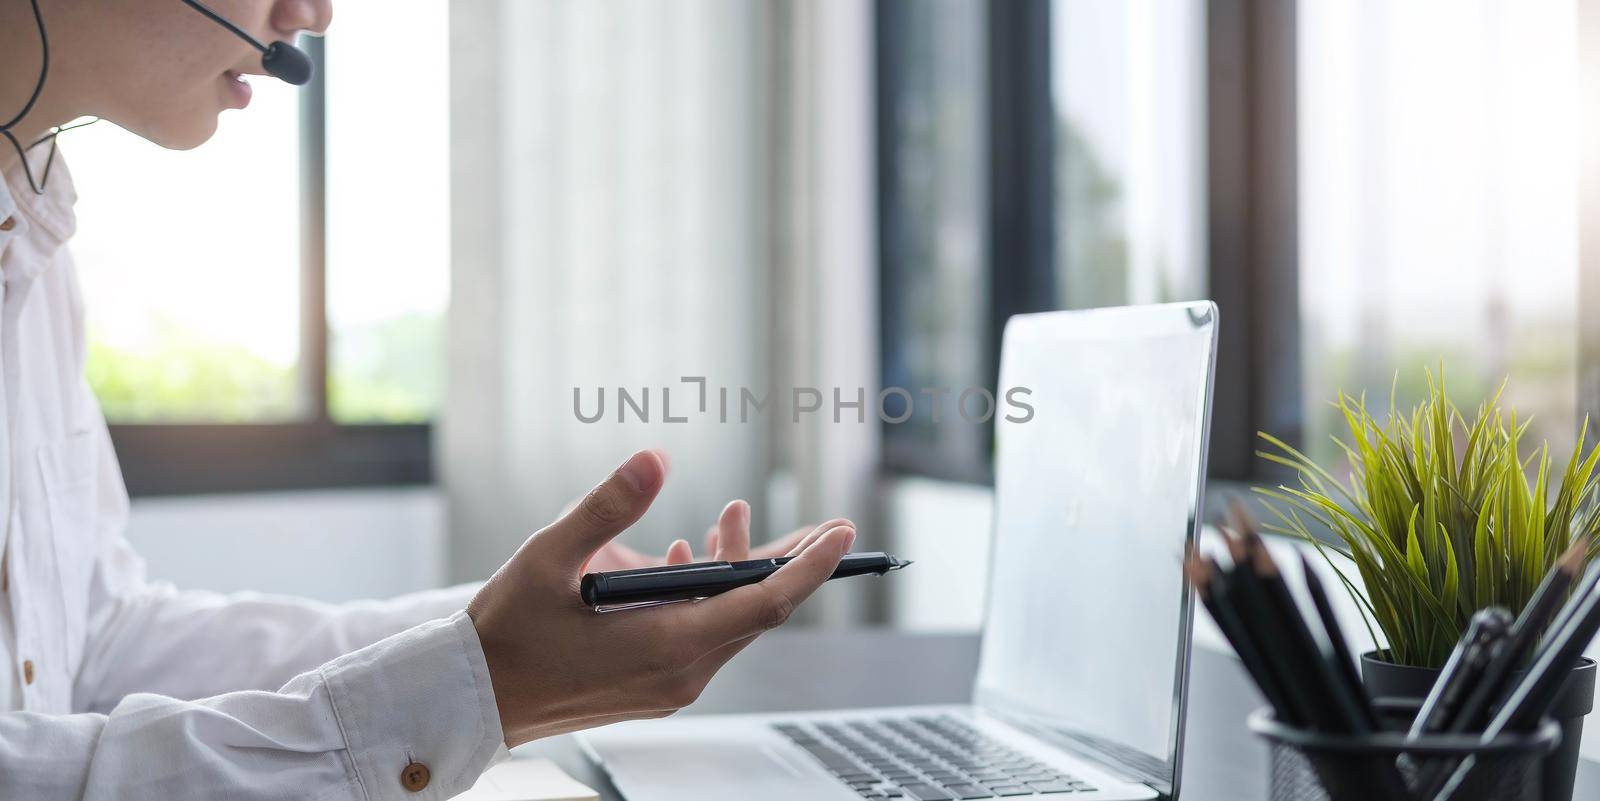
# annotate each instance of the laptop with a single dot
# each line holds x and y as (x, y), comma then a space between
(1085, 649)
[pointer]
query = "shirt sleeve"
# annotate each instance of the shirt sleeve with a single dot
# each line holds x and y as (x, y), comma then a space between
(192, 644)
(409, 717)
(145, 637)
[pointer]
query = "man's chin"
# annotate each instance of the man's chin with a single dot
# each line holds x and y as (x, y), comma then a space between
(190, 137)
(177, 134)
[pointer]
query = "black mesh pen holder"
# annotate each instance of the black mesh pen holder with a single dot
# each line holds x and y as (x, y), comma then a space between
(1314, 766)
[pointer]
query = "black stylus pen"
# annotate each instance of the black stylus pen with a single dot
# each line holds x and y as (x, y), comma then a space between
(705, 579)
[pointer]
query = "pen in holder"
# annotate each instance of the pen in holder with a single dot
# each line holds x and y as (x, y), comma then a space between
(1315, 766)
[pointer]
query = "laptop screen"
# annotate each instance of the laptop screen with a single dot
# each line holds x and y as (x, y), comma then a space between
(1086, 633)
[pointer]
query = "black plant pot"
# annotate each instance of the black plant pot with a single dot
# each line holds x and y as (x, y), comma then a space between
(1388, 680)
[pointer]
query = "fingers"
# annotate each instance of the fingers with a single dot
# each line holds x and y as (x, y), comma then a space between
(812, 535)
(679, 553)
(766, 604)
(782, 545)
(608, 509)
(733, 533)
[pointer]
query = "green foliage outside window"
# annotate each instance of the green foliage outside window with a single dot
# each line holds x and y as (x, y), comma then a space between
(387, 372)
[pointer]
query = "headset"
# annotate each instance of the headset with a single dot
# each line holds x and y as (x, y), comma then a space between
(281, 60)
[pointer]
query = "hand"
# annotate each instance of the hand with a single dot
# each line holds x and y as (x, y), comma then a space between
(558, 666)
(728, 539)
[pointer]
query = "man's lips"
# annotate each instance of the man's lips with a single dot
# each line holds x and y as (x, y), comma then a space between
(238, 89)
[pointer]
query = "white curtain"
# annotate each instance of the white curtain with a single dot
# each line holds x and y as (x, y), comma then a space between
(643, 191)
(825, 276)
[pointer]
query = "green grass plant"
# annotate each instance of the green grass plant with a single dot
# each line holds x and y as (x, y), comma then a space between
(1440, 516)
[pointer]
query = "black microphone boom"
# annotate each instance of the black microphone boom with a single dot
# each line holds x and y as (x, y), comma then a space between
(281, 60)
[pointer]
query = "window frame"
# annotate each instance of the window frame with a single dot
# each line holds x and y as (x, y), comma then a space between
(313, 451)
(1252, 230)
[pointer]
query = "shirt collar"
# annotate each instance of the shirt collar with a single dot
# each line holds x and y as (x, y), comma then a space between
(52, 211)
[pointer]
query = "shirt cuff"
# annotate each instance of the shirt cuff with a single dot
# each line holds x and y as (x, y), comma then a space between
(417, 711)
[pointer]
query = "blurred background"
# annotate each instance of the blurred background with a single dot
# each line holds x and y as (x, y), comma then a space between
(354, 373)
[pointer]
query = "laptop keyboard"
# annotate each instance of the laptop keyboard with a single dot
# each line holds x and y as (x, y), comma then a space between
(925, 758)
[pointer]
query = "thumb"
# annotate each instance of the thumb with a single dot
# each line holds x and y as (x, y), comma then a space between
(754, 608)
(608, 510)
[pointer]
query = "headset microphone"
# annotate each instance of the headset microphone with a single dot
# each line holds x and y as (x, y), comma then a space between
(281, 60)
(287, 63)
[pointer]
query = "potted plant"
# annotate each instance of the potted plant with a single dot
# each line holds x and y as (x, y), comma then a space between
(1441, 517)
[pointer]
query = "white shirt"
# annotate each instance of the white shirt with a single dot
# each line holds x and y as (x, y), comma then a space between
(115, 687)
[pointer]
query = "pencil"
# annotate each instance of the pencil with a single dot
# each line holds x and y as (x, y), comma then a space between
(1262, 626)
(1337, 706)
(1551, 593)
(1344, 698)
(1484, 640)
(1341, 647)
(1206, 577)
(1533, 695)
(1337, 701)
(1485, 635)
(1524, 634)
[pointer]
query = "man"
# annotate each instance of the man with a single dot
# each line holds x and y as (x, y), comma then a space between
(111, 687)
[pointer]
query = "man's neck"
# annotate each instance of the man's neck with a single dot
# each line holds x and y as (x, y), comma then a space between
(20, 59)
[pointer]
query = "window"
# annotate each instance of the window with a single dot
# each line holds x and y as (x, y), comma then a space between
(190, 268)
(388, 211)
(1367, 188)
(266, 311)
(1438, 166)
(1128, 89)
(1032, 156)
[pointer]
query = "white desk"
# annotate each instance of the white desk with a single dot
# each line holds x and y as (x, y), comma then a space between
(790, 670)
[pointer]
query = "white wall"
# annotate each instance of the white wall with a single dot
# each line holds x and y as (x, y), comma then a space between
(333, 545)
(945, 528)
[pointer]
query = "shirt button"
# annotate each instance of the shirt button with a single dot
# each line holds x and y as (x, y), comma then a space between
(414, 777)
(8, 223)
(27, 671)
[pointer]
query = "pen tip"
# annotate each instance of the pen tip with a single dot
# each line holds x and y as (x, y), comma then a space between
(903, 563)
